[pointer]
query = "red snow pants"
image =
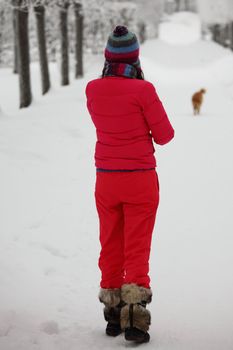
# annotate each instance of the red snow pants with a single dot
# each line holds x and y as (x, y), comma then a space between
(126, 203)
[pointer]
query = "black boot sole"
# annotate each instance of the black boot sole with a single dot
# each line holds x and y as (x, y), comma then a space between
(113, 330)
(135, 334)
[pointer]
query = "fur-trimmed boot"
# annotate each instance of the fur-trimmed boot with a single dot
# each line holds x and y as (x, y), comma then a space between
(112, 309)
(135, 318)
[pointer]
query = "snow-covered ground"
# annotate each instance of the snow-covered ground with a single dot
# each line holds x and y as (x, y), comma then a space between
(49, 278)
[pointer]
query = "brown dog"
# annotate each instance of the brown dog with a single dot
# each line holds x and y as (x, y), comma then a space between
(197, 100)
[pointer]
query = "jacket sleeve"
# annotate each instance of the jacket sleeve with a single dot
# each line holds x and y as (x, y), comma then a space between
(156, 116)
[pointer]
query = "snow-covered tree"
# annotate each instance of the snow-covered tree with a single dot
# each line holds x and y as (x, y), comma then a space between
(214, 11)
(6, 31)
(99, 19)
(102, 16)
(14, 22)
(230, 4)
(2, 23)
(151, 13)
(186, 5)
(217, 14)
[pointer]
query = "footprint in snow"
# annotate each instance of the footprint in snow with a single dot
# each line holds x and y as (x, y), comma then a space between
(54, 251)
(49, 327)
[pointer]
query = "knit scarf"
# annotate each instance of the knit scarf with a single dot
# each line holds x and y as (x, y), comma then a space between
(121, 69)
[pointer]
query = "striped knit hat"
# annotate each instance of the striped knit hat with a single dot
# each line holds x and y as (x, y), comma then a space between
(122, 46)
(122, 51)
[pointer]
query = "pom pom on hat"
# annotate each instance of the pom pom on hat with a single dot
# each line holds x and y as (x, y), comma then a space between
(120, 30)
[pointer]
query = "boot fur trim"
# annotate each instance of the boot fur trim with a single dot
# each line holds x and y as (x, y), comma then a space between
(110, 297)
(132, 293)
(141, 317)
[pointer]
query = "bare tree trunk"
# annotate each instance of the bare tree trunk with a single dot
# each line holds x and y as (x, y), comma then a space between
(227, 35)
(2, 23)
(40, 22)
(231, 35)
(142, 32)
(64, 44)
(23, 54)
(185, 5)
(216, 33)
(178, 5)
(15, 68)
(223, 35)
(79, 40)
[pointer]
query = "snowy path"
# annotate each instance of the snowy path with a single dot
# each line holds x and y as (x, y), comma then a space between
(49, 226)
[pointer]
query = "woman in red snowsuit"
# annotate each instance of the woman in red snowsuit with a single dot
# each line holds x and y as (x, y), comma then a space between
(127, 114)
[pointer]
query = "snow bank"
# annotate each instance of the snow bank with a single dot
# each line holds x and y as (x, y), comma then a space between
(194, 63)
(197, 54)
(181, 28)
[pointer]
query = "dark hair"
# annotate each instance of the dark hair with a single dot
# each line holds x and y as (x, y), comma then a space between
(140, 74)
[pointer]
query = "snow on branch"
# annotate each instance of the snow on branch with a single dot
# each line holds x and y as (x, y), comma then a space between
(215, 11)
(24, 5)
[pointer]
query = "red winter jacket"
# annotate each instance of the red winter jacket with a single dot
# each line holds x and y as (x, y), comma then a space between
(124, 111)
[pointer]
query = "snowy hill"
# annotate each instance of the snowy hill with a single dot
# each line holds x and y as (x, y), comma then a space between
(49, 225)
(181, 28)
